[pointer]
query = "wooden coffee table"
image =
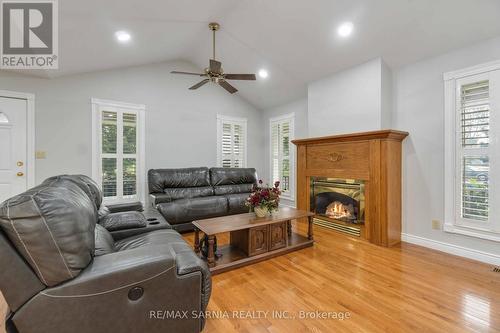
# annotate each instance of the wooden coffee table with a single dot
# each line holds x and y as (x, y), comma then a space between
(252, 239)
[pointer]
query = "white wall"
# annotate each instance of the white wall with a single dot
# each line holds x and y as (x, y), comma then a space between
(180, 124)
(387, 98)
(299, 108)
(419, 109)
(348, 101)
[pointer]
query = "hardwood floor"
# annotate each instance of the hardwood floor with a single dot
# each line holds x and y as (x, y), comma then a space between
(402, 289)
(3, 311)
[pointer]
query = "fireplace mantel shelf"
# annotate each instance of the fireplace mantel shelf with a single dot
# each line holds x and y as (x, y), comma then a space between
(361, 136)
(372, 157)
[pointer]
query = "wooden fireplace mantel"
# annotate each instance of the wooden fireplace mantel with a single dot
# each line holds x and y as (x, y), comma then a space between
(373, 157)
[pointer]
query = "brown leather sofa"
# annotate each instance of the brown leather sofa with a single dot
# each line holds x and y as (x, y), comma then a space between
(62, 271)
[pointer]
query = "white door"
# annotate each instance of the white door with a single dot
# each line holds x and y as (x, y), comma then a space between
(13, 147)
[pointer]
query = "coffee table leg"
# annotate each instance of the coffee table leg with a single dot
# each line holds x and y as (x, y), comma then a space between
(289, 228)
(211, 256)
(196, 240)
(310, 228)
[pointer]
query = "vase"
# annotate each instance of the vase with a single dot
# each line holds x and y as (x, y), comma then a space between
(261, 212)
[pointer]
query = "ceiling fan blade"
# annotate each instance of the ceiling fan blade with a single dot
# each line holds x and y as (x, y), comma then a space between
(228, 87)
(199, 84)
(187, 73)
(240, 77)
(215, 66)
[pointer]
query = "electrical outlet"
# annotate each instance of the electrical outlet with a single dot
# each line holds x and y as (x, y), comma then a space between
(436, 224)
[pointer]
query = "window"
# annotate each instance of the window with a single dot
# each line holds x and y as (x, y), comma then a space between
(231, 142)
(118, 150)
(282, 159)
(472, 161)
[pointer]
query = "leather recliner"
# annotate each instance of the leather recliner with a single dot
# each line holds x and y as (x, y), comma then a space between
(185, 195)
(64, 272)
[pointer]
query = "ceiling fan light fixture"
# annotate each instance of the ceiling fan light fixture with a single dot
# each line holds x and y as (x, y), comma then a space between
(214, 72)
(263, 74)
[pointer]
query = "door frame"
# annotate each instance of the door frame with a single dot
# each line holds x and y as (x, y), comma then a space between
(30, 131)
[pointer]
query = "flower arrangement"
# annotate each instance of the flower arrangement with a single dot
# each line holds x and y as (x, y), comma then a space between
(264, 199)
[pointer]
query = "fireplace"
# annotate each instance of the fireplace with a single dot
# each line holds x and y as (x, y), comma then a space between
(338, 203)
(352, 183)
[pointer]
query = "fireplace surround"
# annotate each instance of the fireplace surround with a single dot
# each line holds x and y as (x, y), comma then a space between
(370, 160)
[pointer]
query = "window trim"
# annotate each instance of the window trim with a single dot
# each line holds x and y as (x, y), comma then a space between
(451, 222)
(289, 116)
(230, 119)
(97, 104)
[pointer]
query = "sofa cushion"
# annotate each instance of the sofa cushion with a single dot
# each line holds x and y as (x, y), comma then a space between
(188, 210)
(232, 176)
(123, 220)
(236, 203)
(52, 226)
(158, 237)
(87, 184)
(95, 190)
(233, 189)
(104, 242)
(159, 179)
(187, 192)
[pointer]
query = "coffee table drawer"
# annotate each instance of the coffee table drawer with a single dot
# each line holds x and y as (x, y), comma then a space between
(277, 236)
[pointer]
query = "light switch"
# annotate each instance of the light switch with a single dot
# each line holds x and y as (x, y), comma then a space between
(40, 155)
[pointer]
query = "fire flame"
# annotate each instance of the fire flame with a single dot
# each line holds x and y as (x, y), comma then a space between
(338, 210)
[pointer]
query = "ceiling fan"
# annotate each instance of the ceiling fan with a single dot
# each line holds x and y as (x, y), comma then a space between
(215, 73)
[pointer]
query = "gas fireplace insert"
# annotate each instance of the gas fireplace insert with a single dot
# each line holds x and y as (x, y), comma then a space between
(338, 199)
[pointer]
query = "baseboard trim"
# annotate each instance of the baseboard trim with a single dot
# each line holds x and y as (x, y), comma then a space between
(461, 251)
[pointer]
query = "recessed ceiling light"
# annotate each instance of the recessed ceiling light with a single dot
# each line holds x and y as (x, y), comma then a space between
(345, 29)
(122, 36)
(263, 73)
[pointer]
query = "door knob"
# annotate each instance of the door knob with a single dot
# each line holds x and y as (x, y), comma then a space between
(20, 163)
(20, 174)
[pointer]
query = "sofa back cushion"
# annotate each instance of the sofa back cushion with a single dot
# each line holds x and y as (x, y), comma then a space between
(233, 189)
(87, 184)
(52, 227)
(172, 194)
(233, 180)
(160, 179)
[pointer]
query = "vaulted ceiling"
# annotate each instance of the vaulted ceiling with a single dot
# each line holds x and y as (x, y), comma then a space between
(295, 40)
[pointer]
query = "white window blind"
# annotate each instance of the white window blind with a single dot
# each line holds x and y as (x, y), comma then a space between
(232, 142)
(119, 164)
(474, 134)
(282, 162)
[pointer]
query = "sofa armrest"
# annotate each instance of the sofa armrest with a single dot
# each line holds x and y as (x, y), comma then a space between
(123, 220)
(154, 221)
(121, 291)
(125, 207)
(156, 198)
(118, 270)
